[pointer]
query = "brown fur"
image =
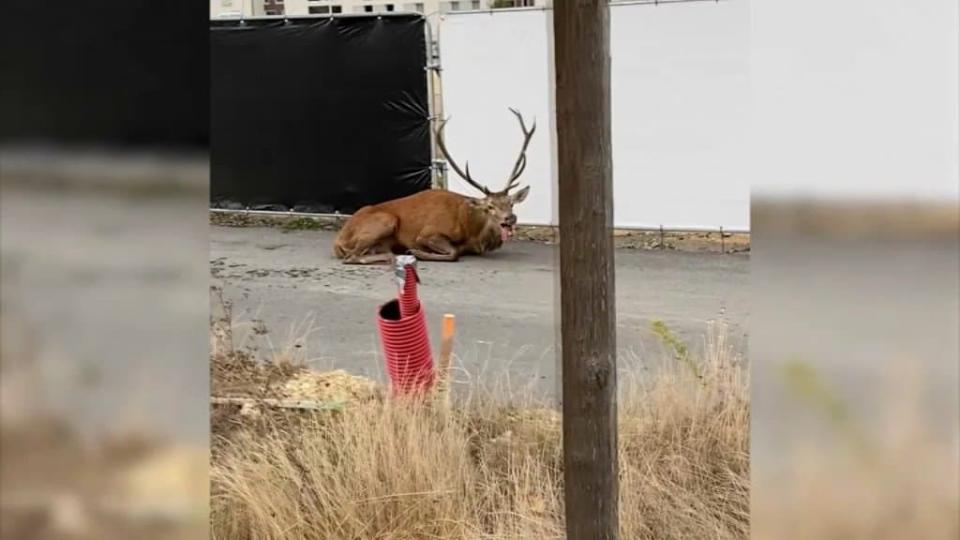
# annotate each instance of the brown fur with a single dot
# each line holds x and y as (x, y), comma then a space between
(435, 225)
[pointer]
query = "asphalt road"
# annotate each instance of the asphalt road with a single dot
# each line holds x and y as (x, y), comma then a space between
(506, 303)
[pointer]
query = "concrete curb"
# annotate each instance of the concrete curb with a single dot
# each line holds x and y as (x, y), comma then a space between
(683, 241)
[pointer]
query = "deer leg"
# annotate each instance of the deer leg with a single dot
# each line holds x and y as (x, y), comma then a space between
(372, 258)
(428, 256)
(371, 239)
(438, 248)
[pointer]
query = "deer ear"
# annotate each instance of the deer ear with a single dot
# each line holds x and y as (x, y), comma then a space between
(519, 196)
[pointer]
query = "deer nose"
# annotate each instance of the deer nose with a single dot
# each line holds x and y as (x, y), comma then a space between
(511, 220)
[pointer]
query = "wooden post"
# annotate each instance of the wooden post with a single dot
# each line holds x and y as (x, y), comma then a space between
(588, 315)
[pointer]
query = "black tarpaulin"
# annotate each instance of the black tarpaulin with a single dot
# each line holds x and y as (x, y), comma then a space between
(105, 73)
(318, 115)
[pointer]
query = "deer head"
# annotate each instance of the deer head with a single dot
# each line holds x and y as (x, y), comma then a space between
(497, 204)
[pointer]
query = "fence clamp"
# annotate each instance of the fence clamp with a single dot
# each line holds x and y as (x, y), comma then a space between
(433, 67)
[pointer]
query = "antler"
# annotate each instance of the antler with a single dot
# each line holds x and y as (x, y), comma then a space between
(521, 163)
(453, 164)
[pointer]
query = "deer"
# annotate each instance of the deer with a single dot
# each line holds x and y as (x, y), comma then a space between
(436, 224)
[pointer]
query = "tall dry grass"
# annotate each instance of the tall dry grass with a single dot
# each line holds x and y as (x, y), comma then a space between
(896, 478)
(491, 466)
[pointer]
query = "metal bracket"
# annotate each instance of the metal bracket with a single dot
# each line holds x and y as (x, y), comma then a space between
(400, 264)
(439, 166)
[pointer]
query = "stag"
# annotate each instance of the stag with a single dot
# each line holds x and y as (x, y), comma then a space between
(437, 225)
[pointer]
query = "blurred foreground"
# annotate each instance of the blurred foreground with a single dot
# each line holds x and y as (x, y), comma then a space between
(854, 350)
(103, 377)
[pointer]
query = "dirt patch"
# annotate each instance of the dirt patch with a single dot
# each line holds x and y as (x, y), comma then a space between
(331, 386)
(700, 242)
(251, 389)
(239, 375)
(290, 222)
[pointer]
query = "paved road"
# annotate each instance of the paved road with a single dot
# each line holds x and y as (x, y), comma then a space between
(505, 303)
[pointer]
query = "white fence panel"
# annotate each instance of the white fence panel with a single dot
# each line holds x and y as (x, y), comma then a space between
(680, 109)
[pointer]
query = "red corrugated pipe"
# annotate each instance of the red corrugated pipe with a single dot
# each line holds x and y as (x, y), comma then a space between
(404, 338)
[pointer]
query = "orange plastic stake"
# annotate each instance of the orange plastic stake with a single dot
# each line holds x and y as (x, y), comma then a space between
(446, 351)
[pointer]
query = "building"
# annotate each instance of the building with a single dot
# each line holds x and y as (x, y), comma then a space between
(273, 7)
(220, 9)
(427, 7)
(239, 9)
(229, 9)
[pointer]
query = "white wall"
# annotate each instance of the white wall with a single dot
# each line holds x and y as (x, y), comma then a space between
(681, 101)
(680, 106)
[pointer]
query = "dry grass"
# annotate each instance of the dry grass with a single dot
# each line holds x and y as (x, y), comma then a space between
(899, 493)
(898, 480)
(488, 468)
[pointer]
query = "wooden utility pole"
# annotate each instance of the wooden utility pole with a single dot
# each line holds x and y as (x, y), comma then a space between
(588, 315)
